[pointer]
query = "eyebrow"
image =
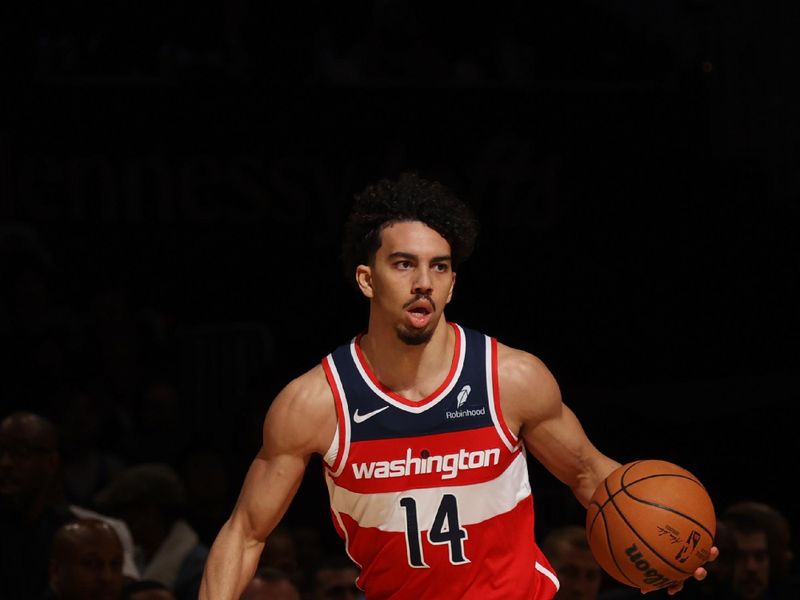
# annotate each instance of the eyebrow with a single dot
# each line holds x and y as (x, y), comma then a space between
(409, 256)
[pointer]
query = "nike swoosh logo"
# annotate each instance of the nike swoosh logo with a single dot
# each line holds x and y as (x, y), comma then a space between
(361, 418)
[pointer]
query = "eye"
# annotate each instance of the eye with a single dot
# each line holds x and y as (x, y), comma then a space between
(441, 267)
(403, 264)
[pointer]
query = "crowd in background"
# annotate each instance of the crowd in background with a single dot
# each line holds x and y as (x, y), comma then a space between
(106, 491)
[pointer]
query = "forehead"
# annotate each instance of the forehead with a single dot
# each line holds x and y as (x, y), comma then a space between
(95, 542)
(24, 431)
(756, 540)
(412, 237)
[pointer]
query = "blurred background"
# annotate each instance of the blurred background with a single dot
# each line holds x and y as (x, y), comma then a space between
(174, 178)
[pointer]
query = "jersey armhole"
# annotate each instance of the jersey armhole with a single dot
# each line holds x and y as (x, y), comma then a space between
(333, 449)
(493, 387)
(337, 452)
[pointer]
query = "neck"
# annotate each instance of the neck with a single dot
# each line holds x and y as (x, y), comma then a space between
(412, 371)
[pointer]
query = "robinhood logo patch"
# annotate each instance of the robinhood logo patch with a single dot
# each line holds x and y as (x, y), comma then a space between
(460, 401)
(463, 395)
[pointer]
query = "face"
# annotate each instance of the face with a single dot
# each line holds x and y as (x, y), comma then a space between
(578, 573)
(91, 570)
(259, 589)
(337, 584)
(750, 576)
(28, 461)
(410, 281)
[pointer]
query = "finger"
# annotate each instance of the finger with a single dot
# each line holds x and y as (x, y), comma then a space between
(674, 589)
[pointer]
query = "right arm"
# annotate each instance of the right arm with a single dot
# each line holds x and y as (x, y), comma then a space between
(300, 421)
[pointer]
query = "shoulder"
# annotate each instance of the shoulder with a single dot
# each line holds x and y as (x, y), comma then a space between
(302, 414)
(519, 370)
(309, 392)
(528, 390)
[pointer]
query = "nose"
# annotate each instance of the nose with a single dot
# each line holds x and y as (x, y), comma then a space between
(423, 284)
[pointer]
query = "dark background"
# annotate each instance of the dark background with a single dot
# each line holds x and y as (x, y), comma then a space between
(180, 174)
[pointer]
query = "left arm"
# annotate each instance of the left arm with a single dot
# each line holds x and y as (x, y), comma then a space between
(533, 408)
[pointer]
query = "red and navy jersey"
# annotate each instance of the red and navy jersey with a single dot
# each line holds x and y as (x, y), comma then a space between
(432, 497)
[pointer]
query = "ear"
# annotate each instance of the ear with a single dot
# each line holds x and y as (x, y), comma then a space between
(452, 285)
(364, 280)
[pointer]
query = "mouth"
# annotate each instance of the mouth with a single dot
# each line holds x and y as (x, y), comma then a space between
(419, 313)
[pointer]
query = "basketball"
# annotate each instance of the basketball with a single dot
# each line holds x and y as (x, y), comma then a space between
(650, 524)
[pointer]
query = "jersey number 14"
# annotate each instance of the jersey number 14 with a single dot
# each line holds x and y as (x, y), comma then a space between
(445, 529)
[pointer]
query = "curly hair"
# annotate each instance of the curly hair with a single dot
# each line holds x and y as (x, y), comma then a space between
(409, 198)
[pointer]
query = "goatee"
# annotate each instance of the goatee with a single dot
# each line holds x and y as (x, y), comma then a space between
(414, 337)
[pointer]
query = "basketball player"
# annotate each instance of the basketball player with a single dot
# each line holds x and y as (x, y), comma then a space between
(422, 425)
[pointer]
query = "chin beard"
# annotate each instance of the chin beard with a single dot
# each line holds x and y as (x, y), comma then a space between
(414, 337)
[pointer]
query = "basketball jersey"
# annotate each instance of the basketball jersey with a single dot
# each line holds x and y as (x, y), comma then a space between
(432, 498)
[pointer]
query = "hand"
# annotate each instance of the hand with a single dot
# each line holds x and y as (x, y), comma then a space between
(699, 573)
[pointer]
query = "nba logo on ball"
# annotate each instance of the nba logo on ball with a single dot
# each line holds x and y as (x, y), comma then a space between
(650, 524)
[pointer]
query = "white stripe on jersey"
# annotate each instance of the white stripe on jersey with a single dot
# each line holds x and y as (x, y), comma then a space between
(414, 409)
(490, 392)
(549, 574)
(333, 450)
(343, 445)
(476, 503)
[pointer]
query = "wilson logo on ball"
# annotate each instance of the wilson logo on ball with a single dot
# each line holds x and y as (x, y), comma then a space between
(651, 576)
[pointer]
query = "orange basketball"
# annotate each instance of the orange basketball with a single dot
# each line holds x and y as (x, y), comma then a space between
(650, 524)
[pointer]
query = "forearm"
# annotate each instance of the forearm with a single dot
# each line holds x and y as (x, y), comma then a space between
(587, 482)
(231, 564)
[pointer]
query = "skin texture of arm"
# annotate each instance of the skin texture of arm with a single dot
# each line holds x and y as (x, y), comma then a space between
(300, 421)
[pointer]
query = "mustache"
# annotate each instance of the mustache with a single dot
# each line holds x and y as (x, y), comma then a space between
(417, 298)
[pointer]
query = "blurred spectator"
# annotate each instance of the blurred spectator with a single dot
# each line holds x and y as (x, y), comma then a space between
(280, 552)
(40, 339)
(778, 533)
(270, 584)
(128, 342)
(146, 589)
(760, 540)
(28, 519)
(310, 549)
(578, 573)
(205, 476)
(32, 507)
(118, 341)
(335, 579)
(84, 424)
(129, 569)
(86, 562)
(161, 433)
(151, 499)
